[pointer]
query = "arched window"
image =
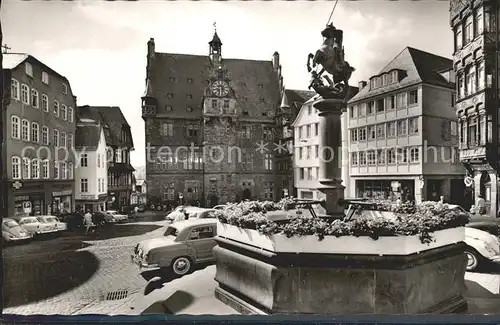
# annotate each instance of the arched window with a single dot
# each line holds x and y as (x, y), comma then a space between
(56, 108)
(26, 168)
(70, 170)
(15, 126)
(56, 170)
(35, 168)
(64, 171)
(35, 132)
(64, 112)
(25, 130)
(45, 103)
(16, 167)
(45, 135)
(34, 98)
(25, 93)
(45, 169)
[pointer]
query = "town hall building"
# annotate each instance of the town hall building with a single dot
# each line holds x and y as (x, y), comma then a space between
(204, 118)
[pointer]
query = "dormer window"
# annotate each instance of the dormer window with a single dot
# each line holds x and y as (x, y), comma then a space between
(261, 86)
(394, 77)
(168, 108)
(385, 80)
(170, 95)
(190, 80)
(189, 96)
(189, 109)
(262, 100)
(172, 79)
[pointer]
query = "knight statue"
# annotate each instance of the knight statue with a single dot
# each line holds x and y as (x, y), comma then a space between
(330, 57)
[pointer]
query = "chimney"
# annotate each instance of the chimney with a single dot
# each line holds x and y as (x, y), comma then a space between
(276, 61)
(151, 48)
(361, 85)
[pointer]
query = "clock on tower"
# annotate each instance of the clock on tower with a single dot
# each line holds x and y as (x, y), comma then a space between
(220, 88)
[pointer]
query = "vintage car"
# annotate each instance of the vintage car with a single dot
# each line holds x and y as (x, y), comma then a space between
(192, 212)
(12, 232)
(482, 238)
(184, 244)
(58, 225)
(35, 225)
(115, 216)
(175, 212)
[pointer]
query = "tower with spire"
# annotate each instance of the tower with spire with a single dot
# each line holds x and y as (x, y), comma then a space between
(215, 47)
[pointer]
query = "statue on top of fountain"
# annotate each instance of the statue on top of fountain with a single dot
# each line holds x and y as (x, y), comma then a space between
(330, 57)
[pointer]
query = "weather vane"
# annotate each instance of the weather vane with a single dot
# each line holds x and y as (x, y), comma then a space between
(215, 26)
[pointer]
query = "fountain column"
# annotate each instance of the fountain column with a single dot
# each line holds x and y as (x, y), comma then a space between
(330, 153)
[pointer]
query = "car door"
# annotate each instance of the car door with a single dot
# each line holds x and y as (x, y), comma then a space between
(201, 241)
(28, 225)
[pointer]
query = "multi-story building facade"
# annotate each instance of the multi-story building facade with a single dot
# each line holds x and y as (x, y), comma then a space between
(119, 142)
(91, 172)
(403, 137)
(203, 117)
(476, 63)
(291, 103)
(39, 135)
(307, 152)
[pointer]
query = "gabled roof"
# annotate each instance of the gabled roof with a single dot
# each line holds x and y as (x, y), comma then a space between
(353, 91)
(295, 97)
(112, 120)
(87, 136)
(185, 74)
(13, 60)
(417, 66)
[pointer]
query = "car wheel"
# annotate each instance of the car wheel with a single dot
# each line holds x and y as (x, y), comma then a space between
(158, 208)
(181, 266)
(473, 259)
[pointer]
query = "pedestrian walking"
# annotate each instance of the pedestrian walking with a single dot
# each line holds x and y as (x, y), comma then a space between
(481, 205)
(88, 222)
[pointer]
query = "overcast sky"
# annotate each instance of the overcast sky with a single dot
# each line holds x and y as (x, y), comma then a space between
(101, 46)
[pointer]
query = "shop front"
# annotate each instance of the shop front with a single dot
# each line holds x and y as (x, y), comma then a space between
(61, 201)
(93, 203)
(386, 189)
(29, 205)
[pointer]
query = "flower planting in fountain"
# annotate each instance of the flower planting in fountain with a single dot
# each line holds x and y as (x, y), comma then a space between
(423, 221)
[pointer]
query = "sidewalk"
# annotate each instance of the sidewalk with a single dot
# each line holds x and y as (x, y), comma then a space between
(483, 293)
(194, 295)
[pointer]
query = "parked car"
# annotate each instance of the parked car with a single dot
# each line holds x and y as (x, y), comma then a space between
(58, 225)
(171, 216)
(141, 208)
(193, 213)
(12, 232)
(35, 225)
(183, 245)
(115, 216)
(482, 236)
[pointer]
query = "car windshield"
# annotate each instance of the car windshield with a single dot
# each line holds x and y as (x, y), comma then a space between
(10, 224)
(112, 212)
(51, 219)
(171, 231)
(39, 219)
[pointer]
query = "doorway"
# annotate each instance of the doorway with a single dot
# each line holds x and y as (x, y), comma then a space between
(246, 194)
